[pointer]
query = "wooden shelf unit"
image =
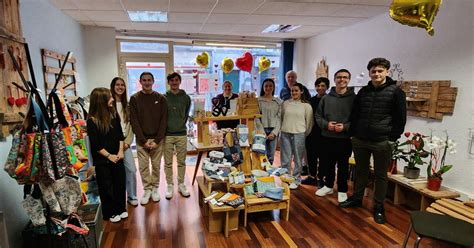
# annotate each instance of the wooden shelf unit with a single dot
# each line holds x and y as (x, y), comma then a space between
(430, 99)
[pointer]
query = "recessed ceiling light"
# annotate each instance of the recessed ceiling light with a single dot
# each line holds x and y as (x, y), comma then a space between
(280, 28)
(148, 16)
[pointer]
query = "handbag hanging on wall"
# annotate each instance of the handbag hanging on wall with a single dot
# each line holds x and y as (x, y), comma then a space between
(232, 153)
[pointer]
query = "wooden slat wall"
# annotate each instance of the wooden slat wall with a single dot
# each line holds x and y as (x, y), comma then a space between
(439, 98)
(10, 38)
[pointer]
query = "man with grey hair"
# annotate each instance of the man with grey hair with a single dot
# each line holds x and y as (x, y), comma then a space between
(285, 92)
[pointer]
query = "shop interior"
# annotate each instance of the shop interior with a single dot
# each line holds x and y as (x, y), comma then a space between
(102, 42)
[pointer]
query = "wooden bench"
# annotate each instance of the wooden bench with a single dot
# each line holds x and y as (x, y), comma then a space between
(452, 208)
(254, 204)
(415, 194)
(224, 218)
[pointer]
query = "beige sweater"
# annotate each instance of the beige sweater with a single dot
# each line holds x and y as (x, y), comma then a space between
(296, 117)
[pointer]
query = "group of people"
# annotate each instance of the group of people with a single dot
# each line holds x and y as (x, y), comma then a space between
(159, 125)
(329, 127)
(325, 128)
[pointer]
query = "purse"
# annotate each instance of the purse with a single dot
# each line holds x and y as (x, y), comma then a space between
(34, 207)
(18, 145)
(61, 137)
(233, 154)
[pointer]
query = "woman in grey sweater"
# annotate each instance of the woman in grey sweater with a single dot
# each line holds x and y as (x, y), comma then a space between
(270, 107)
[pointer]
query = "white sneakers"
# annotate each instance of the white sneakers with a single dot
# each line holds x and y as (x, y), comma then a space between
(169, 191)
(115, 218)
(341, 197)
(146, 197)
(183, 190)
(133, 202)
(324, 191)
(124, 215)
(293, 186)
(155, 195)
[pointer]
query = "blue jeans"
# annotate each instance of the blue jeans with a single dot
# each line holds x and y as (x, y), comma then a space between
(270, 145)
(130, 174)
(292, 147)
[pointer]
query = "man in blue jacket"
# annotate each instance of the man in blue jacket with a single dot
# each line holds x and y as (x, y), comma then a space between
(378, 119)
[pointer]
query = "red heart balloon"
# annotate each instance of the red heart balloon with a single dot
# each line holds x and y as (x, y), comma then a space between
(245, 62)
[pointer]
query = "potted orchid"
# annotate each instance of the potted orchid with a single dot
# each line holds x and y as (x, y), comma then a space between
(437, 167)
(412, 151)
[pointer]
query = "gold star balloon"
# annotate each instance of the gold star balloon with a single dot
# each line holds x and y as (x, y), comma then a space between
(415, 13)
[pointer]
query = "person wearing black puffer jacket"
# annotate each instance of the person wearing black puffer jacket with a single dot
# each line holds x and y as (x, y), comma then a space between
(378, 119)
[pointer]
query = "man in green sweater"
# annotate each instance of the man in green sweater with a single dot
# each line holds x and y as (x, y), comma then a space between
(179, 104)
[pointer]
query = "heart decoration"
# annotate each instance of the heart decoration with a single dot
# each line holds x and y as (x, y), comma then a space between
(263, 64)
(203, 59)
(245, 62)
(19, 100)
(227, 65)
(10, 99)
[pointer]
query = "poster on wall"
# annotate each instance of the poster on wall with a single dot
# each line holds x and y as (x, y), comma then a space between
(188, 83)
(203, 86)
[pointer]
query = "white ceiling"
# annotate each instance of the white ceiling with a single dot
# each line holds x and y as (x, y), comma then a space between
(238, 18)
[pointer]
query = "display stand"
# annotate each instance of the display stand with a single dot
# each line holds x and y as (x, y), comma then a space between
(203, 144)
(217, 219)
(254, 204)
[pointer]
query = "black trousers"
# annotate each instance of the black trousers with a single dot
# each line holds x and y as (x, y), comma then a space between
(313, 150)
(111, 182)
(382, 154)
(335, 151)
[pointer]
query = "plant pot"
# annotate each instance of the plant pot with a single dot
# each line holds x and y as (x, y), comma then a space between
(411, 173)
(392, 168)
(434, 183)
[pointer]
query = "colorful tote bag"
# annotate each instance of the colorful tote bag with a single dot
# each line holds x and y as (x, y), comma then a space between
(232, 154)
(18, 147)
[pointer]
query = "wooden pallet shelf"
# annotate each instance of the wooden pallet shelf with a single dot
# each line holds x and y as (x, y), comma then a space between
(430, 99)
(52, 62)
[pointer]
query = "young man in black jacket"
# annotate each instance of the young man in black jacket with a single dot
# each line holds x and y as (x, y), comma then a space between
(313, 140)
(378, 119)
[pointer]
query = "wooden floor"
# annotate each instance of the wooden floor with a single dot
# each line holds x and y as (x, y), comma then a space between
(314, 222)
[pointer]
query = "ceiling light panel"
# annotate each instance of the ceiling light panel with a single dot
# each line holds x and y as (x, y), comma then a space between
(148, 16)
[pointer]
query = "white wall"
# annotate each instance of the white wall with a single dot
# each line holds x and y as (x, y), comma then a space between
(446, 55)
(298, 60)
(43, 26)
(101, 57)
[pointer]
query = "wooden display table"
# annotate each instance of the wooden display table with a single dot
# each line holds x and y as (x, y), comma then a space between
(224, 218)
(201, 149)
(254, 204)
(414, 193)
(203, 125)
